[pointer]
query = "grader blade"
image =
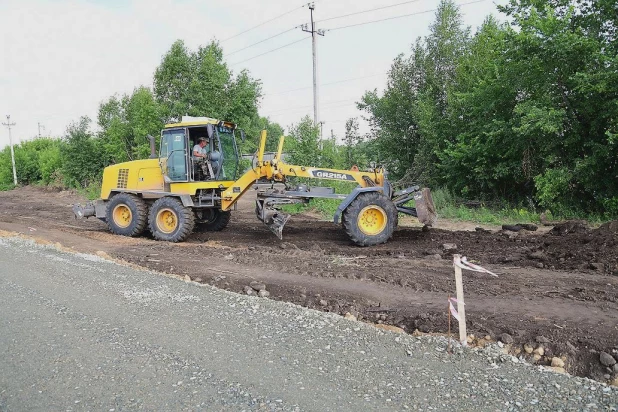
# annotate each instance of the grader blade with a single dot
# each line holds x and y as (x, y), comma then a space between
(425, 209)
(274, 219)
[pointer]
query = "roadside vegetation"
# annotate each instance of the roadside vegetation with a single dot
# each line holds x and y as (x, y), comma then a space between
(503, 122)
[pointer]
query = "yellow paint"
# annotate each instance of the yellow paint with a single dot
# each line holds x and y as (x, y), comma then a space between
(190, 188)
(260, 156)
(150, 178)
(239, 187)
(279, 149)
(199, 123)
(110, 176)
(167, 220)
(372, 220)
(122, 216)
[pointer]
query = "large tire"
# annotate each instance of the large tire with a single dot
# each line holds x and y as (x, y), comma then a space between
(370, 219)
(214, 220)
(169, 220)
(126, 214)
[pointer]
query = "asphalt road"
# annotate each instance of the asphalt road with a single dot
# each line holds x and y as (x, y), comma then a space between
(81, 333)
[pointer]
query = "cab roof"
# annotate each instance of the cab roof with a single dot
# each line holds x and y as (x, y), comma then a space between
(188, 121)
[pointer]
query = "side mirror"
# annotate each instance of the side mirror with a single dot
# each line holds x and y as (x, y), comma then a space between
(242, 135)
(210, 131)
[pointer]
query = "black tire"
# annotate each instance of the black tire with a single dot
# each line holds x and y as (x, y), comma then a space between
(376, 213)
(169, 220)
(214, 220)
(126, 215)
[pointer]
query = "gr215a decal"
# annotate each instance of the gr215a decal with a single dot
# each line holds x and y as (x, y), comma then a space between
(325, 174)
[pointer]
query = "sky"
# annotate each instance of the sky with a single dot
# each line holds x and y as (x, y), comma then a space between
(61, 58)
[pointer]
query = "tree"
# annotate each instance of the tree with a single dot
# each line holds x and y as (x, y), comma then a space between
(125, 122)
(200, 84)
(353, 154)
(81, 155)
(304, 143)
(409, 121)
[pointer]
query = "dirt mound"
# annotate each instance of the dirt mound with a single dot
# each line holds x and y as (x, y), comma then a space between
(571, 226)
(610, 228)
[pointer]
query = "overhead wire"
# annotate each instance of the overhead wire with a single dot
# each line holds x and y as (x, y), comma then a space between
(262, 41)
(324, 84)
(263, 23)
(270, 51)
(287, 109)
(367, 11)
(398, 17)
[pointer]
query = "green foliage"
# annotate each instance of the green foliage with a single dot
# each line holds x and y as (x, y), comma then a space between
(303, 143)
(125, 122)
(36, 161)
(82, 157)
(526, 113)
(200, 84)
(353, 150)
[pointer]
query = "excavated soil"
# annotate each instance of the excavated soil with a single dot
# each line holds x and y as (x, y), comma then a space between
(559, 284)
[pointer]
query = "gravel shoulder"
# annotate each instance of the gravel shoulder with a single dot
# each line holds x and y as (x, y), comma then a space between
(83, 333)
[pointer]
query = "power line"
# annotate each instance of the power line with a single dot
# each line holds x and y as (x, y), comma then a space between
(269, 51)
(261, 24)
(324, 84)
(262, 41)
(398, 17)
(287, 109)
(367, 11)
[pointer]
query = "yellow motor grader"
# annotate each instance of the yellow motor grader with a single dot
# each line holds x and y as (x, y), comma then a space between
(172, 192)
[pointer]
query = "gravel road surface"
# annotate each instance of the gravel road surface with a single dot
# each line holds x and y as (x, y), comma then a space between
(81, 333)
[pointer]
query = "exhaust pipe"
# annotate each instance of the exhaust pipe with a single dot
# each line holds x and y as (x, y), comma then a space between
(153, 150)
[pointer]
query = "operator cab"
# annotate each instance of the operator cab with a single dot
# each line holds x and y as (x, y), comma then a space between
(178, 141)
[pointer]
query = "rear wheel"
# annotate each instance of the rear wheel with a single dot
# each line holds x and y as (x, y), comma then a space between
(126, 214)
(169, 220)
(370, 219)
(213, 220)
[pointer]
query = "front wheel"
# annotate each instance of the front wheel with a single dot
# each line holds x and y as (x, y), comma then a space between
(370, 219)
(170, 220)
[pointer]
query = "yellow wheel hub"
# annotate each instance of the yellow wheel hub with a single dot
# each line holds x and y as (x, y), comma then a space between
(372, 220)
(167, 220)
(122, 216)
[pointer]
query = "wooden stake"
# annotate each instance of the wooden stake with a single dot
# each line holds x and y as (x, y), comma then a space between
(448, 311)
(461, 309)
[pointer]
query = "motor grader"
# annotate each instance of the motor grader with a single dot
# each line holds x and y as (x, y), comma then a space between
(173, 192)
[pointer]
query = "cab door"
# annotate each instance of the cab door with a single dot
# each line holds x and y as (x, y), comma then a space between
(174, 155)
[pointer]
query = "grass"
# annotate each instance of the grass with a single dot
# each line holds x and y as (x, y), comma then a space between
(91, 192)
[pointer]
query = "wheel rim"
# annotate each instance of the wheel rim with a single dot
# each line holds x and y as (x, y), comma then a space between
(122, 216)
(167, 220)
(372, 220)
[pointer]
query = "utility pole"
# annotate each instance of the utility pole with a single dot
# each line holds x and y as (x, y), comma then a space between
(314, 40)
(8, 124)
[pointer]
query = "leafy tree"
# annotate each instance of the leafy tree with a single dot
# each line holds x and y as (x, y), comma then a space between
(304, 143)
(353, 154)
(125, 122)
(81, 155)
(200, 84)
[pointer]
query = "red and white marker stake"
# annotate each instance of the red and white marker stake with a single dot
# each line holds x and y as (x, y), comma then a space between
(460, 314)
